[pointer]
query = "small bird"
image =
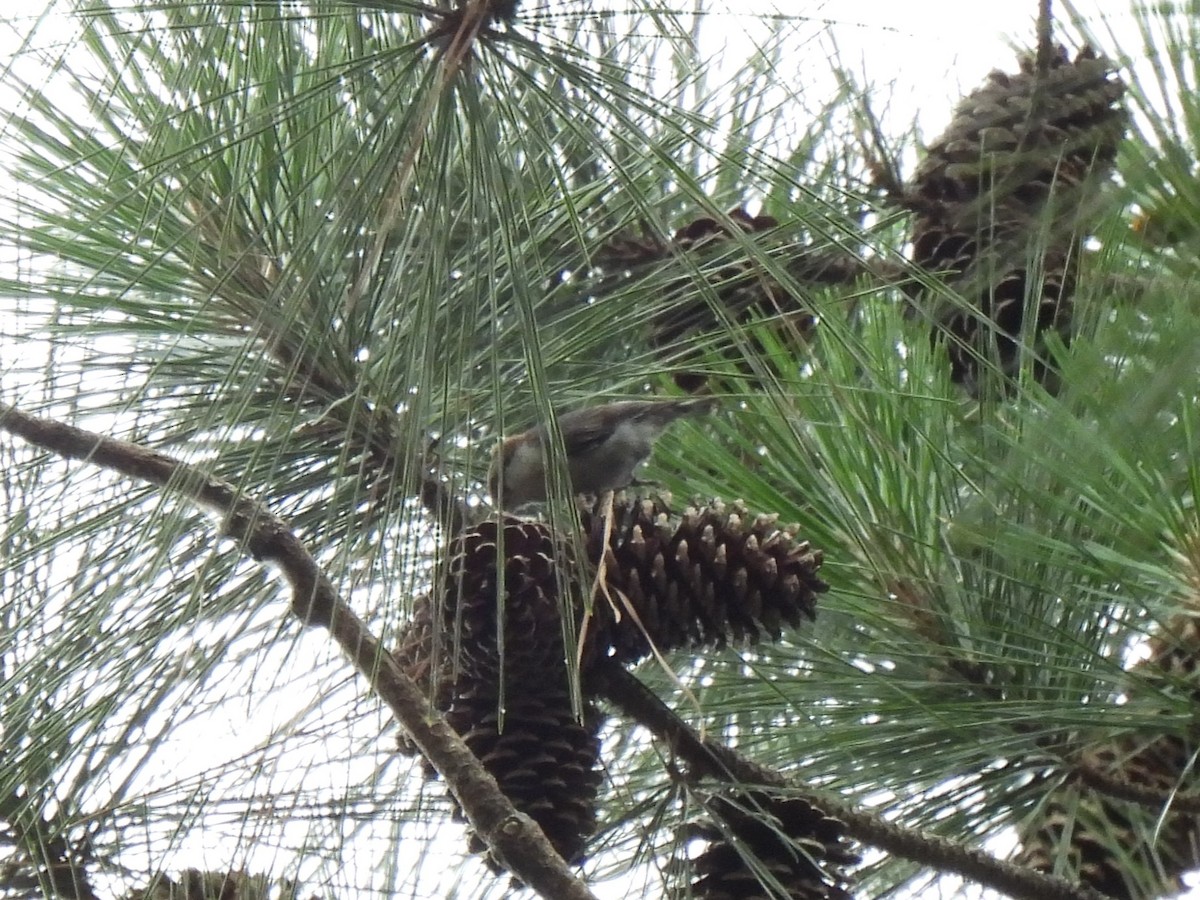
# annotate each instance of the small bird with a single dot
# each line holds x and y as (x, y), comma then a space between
(603, 444)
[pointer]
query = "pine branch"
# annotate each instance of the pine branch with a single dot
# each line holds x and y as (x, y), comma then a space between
(722, 762)
(1121, 788)
(513, 837)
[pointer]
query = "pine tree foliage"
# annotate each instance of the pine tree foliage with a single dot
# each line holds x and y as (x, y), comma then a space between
(329, 251)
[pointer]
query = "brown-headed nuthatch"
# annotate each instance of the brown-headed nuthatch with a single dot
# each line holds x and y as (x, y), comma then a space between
(603, 444)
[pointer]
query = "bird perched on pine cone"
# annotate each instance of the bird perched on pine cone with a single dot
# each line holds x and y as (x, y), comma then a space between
(603, 445)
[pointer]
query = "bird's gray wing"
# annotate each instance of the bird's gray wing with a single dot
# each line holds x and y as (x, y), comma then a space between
(584, 431)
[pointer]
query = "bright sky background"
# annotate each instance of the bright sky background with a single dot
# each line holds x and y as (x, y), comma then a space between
(933, 51)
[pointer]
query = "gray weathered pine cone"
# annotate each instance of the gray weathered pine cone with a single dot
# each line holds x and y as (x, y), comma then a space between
(1002, 202)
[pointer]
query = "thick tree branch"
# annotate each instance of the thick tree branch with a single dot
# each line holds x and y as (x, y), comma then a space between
(513, 837)
(1120, 788)
(708, 757)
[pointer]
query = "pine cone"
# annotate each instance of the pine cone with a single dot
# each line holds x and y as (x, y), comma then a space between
(465, 637)
(801, 848)
(418, 656)
(532, 636)
(1021, 139)
(1003, 200)
(716, 576)
(194, 884)
(1102, 843)
(512, 708)
(743, 290)
(544, 760)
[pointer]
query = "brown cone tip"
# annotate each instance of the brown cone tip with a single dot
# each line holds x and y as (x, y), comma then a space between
(543, 758)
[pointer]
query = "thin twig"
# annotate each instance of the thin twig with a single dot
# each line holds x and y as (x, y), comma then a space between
(512, 836)
(453, 58)
(1045, 38)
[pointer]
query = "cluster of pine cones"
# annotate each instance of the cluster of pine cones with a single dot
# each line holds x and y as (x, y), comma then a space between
(489, 645)
(1000, 207)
